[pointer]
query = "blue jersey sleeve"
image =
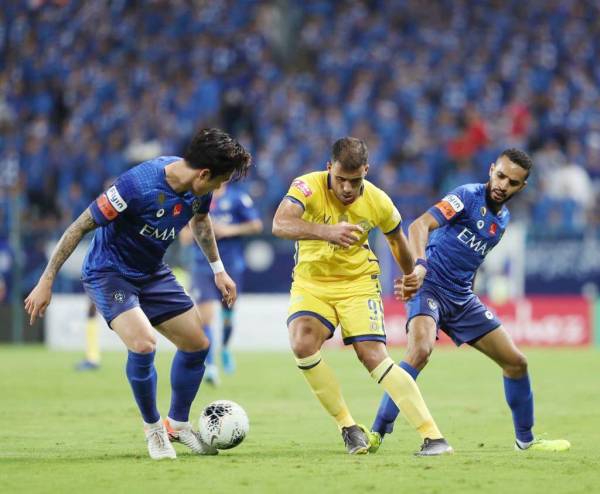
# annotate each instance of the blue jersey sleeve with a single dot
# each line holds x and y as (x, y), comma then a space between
(451, 207)
(202, 204)
(245, 208)
(120, 196)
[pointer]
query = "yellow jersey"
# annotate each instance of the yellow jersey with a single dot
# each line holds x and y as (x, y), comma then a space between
(318, 260)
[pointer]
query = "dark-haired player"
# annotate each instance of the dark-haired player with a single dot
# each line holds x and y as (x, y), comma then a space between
(450, 241)
(136, 219)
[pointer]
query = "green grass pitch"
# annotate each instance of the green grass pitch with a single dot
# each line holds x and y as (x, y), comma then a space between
(64, 431)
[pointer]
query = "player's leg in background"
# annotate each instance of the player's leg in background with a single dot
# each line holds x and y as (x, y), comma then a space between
(206, 309)
(498, 345)
(421, 340)
(92, 343)
(226, 356)
(402, 388)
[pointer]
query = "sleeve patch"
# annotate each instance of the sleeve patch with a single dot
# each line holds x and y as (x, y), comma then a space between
(106, 208)
(450, 206)
(116, 200)
(246, 201)
(302, 187)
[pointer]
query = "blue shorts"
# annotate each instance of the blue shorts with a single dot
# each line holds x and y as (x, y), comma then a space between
(159, 295)
(462, 317)
(203, 287)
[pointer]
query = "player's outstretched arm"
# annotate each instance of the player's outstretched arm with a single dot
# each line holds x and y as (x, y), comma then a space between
(39, 298)
(288, 224)
(418, 236)
(399, 246)
(201, 227)
(223, 230)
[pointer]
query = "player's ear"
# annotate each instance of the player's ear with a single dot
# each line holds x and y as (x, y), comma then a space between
(366, 169)
(329, 165)
(492, 166)
(204, 174)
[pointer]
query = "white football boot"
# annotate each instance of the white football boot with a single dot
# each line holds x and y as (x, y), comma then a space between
(159, 445)
(182, 432)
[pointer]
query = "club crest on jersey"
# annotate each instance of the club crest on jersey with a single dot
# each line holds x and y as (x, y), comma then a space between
(483, 210)
(161, 198)
(119, 296)
(431, 303)
(177, 209)
(196, 205)
(450, 205)
(493, 229)
(302, 187)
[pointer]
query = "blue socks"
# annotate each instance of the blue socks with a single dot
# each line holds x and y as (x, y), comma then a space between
(186, 374)
(142, 377)
(210, 358)
(520, 400)
(388, 411)
(227, 325)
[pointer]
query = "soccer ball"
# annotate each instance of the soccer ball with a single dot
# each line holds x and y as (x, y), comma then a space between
(223, 424)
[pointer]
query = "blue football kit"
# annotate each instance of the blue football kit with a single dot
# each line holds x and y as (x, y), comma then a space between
(139, 216)
(233, 207)
(468, 231)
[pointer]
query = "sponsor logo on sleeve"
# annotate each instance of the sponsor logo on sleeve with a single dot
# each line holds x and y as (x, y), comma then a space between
(116, 200)
(450, 205)
(177, 209)
(106, 208)
(493, 228)
(302, 187)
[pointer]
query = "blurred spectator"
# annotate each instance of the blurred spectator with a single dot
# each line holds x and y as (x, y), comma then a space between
(90, 88)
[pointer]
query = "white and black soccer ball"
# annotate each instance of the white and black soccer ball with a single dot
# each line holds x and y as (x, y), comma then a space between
(223, 424)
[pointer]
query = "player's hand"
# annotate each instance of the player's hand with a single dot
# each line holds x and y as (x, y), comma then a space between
(37, 301)
(227, 288)
(409, 284)
(343, 234)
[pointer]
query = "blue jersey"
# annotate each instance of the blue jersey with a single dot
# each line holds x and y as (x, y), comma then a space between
(139, 216)
(468, 231)
(233, 207)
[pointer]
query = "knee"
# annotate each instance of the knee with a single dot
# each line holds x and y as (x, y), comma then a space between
(371, 357)
(418, 355)
(304, 341)
(143, 345)
(196, 344)
(516, 367)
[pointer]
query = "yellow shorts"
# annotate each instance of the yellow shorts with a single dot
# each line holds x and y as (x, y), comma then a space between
(354, 306)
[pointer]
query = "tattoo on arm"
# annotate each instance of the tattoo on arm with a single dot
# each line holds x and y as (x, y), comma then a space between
(67, 243)
(205, 237)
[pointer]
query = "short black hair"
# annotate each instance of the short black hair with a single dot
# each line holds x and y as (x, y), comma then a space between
(351, 153)
(520, 158)
(218, 152)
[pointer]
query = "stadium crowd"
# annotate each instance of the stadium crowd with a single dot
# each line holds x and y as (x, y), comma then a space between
(89, 88)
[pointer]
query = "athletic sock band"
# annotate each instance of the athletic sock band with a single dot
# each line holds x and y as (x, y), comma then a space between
(382, 369)
(307, 363)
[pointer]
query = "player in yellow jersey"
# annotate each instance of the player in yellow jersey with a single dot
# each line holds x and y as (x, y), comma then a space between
(330, 214)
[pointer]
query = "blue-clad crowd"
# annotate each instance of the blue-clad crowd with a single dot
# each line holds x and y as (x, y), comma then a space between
(89, 88)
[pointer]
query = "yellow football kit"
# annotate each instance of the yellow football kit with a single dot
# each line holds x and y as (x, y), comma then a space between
(340, 286)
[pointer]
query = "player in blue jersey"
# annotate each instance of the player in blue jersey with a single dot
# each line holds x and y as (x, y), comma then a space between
(450, 241)
(234, 216)
(135, 220)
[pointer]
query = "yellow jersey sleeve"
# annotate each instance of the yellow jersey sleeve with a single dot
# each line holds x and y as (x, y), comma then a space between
(389, 218)
(303, 191)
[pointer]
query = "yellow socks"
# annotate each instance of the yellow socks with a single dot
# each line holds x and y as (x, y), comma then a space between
(92, 346)
(405, 393)
(326, 388)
